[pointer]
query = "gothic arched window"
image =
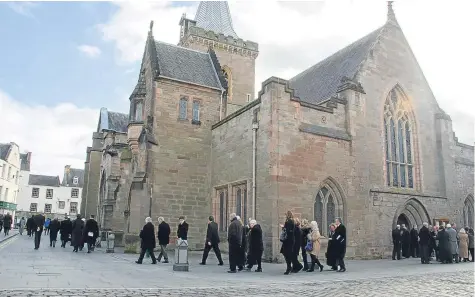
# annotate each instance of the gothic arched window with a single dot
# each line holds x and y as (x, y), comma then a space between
(328, 206)
(398, 141)
(468, 212)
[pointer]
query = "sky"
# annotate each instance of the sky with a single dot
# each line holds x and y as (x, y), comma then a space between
(60, 62)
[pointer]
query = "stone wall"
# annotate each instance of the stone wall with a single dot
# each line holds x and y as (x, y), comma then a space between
(231, 162)
(180, 164)
(242, 74)
(91, 182)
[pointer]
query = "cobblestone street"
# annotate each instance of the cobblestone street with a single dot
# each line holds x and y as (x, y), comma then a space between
(59, 272)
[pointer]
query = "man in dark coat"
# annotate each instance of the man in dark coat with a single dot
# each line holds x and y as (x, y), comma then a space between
(405, 241)
(163, 236)
(91, 232)
(433, 242)
(53, 232)
(305, 228)
(148, 241)
(30, 226)
(330, 254)
(1, 222)
(339, 240)
(296, 265)
(445, 255)
(182, 232)
(414, 242)
(212, 242)
(38, 223)
(256, 246)
(7, 223)
(243, 249)
(77, 233)
(424, 240)
(397, 242)
(234, 241)
(66, 228)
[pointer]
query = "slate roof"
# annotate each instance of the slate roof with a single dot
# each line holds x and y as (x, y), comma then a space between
(43, 180)
(25, 162)
(186, 65)
(68, 179)
(215, 16)
(4, 150)
(115, 121)
(320, 82)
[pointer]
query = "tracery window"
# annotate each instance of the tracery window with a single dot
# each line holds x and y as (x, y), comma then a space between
(182, 109)
(398, 139)
(468, 212)
(327, 207)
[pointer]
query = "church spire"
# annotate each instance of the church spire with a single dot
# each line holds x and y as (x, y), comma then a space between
(391, 14)
(215, 16)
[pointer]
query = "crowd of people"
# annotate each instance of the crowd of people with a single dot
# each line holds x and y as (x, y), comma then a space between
(246, 246)
(5, 223)
(442, 242)
(79, 232)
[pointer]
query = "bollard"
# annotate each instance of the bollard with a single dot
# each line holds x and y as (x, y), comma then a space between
(110, 242)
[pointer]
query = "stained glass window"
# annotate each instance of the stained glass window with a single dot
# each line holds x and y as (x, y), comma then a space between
(238, 203)
(408, 144)
(330, 212)
(398, 146)
(222, 222)
(182, 111)
(318, 209)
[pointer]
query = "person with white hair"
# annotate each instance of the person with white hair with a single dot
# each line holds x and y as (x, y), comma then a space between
(256, 246)
(313, 246)
(234, 241)
(148, 241)
(424, 240)
(463, 245)
(396, 235)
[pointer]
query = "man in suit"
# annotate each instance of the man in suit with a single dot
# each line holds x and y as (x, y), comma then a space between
(163, 236)
(38, 223)
(212, 242)
(234, 241)
(397, 242)
(339, 239)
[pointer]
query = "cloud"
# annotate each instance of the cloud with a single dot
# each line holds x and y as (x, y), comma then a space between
(23, 8)
(56, 136)
(293, 36)
(89, 50)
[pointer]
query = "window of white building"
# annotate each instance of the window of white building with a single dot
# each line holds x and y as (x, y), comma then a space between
(74, 193)
(49, 193)
(35, 192)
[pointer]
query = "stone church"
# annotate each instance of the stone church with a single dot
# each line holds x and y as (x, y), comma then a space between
(358, 135)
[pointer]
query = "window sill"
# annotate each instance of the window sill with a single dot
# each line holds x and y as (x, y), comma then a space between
(196, 122)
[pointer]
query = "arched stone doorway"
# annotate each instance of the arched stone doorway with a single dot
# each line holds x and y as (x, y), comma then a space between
(412, 212)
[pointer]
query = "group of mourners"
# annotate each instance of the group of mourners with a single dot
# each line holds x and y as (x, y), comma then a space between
(78, 232)
(246, 247)
(6, 223)
(443, 242)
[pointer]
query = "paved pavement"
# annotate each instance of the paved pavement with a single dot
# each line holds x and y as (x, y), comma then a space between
(11, 233)
(60, 272)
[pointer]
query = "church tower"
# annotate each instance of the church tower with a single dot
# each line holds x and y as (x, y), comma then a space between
(212, 29)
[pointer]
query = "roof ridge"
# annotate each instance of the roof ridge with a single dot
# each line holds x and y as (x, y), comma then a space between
(181, 47)
(338, 52)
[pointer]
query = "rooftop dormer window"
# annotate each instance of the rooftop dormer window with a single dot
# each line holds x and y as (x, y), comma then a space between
(75, 180)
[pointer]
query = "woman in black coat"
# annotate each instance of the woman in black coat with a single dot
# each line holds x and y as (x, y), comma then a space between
(53, 232)
(445, 254)
(256, 246)
(296, 265)
(287, 237)
(76, 238)
(330, 254)
(148, 241)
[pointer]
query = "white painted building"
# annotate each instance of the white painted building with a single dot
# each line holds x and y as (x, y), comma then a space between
(9, 177)
(48, 195)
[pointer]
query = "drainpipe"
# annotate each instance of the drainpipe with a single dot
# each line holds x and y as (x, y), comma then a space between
(221, 105)
(255, 126)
